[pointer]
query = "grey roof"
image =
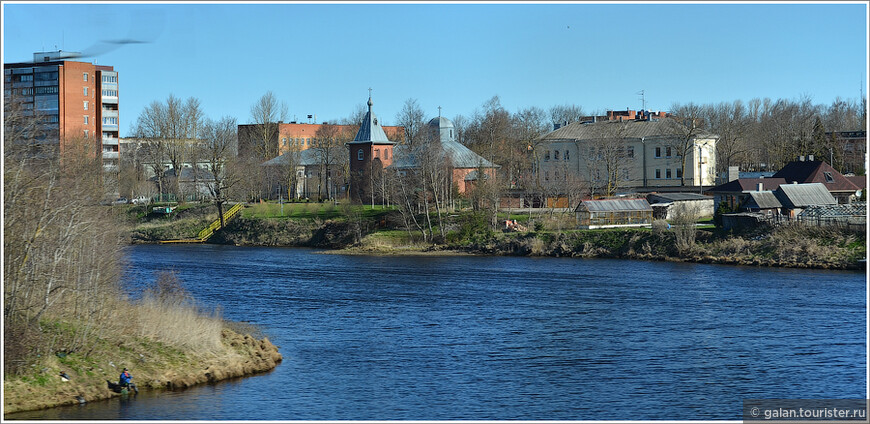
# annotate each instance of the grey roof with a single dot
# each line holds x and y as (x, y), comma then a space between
(306, 157)
(762, 200)
(614, 205)
(458, 155)
(370, 131)
(803, 195)
(440, 122)
(663, 127)
(676, 197)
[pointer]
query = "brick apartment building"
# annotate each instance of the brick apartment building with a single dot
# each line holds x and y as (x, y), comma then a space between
(77, 100)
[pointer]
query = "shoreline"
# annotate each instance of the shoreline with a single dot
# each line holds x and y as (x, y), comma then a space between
(243, 356)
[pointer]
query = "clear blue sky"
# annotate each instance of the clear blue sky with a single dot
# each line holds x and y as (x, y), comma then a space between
(322, 58)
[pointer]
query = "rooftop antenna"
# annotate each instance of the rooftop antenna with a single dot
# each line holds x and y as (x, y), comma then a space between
(642, 100)
(439, 111)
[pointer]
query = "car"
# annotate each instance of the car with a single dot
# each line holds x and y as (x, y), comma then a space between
(120, 201)
(141, 200)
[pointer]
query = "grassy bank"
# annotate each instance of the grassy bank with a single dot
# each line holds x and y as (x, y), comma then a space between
(165, 340)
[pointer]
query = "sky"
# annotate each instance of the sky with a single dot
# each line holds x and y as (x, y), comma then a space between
(322, 58)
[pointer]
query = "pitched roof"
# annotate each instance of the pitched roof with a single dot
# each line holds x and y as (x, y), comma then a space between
(370, 131)
(676, 197)
(762, 200)
(803, 195)
(743, 185)
(306, 157)
(860, 181)
(663, 127)
(815, 172)
(458, 155)
(614, 205)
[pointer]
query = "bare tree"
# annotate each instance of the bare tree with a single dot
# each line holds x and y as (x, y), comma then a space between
(565, 114)
(411, 117)
(219, 139)
(686, 124)
(329, 150)
(265, 115)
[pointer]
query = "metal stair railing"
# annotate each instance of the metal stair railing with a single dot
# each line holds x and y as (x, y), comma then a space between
(209, 231)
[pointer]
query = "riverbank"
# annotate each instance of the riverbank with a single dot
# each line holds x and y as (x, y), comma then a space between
(154, 366)
(794, 246)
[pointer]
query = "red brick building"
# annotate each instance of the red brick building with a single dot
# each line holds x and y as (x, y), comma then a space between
(295, 136)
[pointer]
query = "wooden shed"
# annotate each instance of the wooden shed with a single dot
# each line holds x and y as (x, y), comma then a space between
(613, 213)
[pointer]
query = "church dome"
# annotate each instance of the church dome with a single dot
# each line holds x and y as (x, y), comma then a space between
(440, 122)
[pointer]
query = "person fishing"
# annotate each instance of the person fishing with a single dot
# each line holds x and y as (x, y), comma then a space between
(126, 380)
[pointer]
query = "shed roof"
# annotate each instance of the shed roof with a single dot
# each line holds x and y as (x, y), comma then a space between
(762, 200)
(614, 205)
(803, 195)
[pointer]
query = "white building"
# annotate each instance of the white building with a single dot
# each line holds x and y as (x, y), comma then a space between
(642, 154)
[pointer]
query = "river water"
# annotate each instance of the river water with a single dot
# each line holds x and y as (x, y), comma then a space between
(508, 338)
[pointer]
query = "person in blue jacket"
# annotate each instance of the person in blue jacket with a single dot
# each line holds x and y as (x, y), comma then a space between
(126, 380)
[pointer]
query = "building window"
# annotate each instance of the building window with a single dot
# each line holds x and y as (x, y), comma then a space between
(377, 154)
(359, 154)
(566, 155)
(26, 78)
(84, 91)
(547, 156)
(556, 155)
(86, 119)
(85, 105)
(85, 78)
(546, 175)
(658, 153)
(284, 141)
(679, 173)
(86, 133)
(386, 154)
(829, 178)
(658, 173)
(668, 152)
(668, 173)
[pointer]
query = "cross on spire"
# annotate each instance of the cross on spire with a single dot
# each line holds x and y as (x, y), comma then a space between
(439, 111)
(370, 91)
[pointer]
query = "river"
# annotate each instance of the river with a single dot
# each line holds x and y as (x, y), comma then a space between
(508, 338)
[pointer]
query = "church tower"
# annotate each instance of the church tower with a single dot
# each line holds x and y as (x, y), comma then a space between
(370, 152)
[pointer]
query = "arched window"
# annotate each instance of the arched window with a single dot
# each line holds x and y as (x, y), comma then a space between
(359, 154)
(377, 153)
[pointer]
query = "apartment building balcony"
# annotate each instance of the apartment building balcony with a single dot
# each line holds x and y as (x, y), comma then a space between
(110, 141)
(110, 155)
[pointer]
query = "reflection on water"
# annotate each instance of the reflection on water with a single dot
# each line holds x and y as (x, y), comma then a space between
(495, 338)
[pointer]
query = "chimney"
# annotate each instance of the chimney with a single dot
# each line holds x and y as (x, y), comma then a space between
(801, 158)
(760, 186)
(733, 173)
(811, 158)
